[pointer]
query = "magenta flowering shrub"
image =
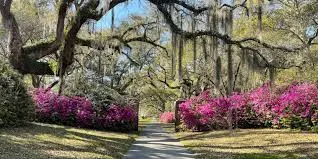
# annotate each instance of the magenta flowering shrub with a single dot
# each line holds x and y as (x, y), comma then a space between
(50, 107)
(298, 101)
(44, 101)
(203, 112)
(243, 112)
(261, 99)
(80, 112)
(189, 115)
(118, 118)
(294, 106)
(84, 111)
(167, 117)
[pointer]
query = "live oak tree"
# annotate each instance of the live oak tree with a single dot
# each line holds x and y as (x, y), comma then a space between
(72, 15)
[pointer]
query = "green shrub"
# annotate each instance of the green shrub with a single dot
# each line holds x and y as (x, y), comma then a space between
(295, 122)
(16, 105)
(314, 129)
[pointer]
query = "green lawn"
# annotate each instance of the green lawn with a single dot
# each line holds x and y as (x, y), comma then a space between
(43, 141)
(250, 144)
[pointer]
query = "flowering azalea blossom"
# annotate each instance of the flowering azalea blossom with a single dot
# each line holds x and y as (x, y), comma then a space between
(167, 117)
(252, 109)
(80, 112)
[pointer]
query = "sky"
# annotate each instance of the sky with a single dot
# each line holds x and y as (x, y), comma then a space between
(122, 12)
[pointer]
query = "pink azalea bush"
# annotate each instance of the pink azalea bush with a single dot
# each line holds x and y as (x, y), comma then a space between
(118, 118)
(167, 117)
(261, 100)
(298, 101)
(243, 111)
(294, 106)
(50, 107)
(204, 112)
(80, 112)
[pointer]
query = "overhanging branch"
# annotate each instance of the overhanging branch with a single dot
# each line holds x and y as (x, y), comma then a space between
(182, 3)
(223, 37)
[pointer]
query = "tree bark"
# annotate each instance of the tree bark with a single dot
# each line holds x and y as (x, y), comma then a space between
(194, 42)
(218, 73)
(173, 55)
(229, 27)
(36, 81)
(180, 56)
(214, 46)
(204, 48)
(271, 77)
(214, 27)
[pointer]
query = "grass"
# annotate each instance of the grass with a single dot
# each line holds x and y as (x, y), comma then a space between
(250, 143)
(43, 141)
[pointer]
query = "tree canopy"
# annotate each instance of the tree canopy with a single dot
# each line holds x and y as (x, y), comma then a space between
(180, 48)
